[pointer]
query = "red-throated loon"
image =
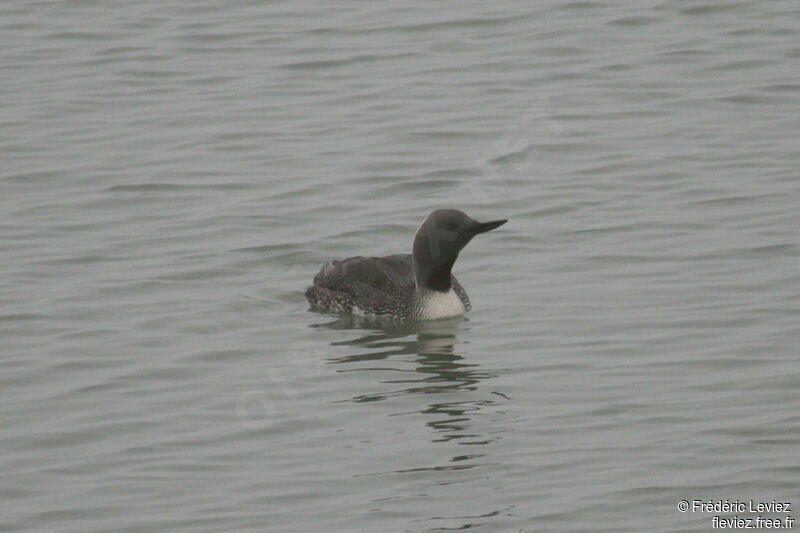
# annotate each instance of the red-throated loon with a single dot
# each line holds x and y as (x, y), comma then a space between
(417, 286)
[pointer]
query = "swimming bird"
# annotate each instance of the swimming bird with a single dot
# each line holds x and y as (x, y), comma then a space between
(416, 286)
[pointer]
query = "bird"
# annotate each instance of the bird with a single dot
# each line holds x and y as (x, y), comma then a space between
(416, 286)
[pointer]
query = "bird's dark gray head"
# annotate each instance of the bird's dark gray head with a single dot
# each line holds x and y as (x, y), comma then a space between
(439, 240)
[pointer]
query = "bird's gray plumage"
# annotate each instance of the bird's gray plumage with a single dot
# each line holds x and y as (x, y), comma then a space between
(380, 286)
(404, 285)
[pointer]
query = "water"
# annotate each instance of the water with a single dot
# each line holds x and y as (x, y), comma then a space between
(174, 174)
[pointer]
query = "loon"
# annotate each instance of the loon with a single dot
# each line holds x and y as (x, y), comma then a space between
(417, 286)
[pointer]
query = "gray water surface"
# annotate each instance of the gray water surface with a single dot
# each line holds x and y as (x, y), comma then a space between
(173, 174)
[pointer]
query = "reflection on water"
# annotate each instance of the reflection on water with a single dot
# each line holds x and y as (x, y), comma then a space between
(442, 376)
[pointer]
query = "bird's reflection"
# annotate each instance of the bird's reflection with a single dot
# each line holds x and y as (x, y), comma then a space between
(421, 364)
(437, 369)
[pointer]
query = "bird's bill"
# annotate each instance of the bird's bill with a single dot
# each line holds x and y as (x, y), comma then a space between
(483, 227)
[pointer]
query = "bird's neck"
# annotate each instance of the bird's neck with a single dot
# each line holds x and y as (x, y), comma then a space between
(438, 278)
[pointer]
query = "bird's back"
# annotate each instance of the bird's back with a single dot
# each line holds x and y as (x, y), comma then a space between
(370, 285)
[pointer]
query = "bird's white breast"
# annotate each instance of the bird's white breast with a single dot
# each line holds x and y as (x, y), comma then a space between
(442, 305)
